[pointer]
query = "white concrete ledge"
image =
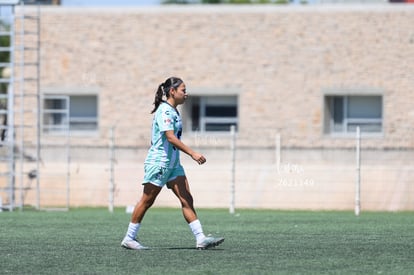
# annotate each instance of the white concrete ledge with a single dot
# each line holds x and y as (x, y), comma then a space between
(229, 9)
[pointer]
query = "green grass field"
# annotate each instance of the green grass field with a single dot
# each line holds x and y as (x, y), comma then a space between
(87, 241)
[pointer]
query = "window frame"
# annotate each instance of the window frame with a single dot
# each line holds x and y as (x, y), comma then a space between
(328, 98)
(204, 119)
(202, 96)
(52, 128)
(53, 93)
(74, 119)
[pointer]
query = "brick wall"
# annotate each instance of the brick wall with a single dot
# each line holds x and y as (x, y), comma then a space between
(280, 59)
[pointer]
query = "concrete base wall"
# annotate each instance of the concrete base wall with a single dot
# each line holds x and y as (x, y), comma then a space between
(302, 179)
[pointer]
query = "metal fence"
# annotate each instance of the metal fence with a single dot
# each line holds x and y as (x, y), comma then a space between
(277, 177)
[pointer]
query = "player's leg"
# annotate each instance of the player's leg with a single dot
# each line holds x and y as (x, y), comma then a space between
(148, 197)
(154, 179)
(181, 189)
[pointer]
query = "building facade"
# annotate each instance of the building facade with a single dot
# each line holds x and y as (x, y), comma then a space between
(296, 82)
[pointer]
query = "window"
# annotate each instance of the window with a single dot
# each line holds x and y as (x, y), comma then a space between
(78, 113)
(212, 113)
(345, 113)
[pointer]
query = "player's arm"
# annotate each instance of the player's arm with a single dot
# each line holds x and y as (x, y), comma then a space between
(200, 159)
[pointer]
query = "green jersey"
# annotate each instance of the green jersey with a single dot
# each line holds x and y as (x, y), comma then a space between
(161, 152)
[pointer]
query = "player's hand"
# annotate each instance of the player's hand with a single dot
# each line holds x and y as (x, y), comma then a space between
(199, 158)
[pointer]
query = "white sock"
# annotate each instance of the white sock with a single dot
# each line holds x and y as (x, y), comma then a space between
(197, 230)
(133, 229)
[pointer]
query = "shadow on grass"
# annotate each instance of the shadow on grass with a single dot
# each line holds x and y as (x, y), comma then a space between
(192, 248)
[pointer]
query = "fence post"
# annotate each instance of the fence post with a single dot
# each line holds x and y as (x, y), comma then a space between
(233, 169)
(277, 151)
(111, 169)
(68, 163)
(358, 173)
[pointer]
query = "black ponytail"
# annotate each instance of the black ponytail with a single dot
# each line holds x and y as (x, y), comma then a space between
(158, 97)
(164, 89)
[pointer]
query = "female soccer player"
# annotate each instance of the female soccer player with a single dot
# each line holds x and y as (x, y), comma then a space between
(162, 165)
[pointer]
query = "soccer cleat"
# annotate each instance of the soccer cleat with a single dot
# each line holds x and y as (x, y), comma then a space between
(209, 242)
(132, 244)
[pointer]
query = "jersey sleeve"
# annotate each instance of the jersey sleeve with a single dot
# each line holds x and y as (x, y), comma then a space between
(165, 120)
